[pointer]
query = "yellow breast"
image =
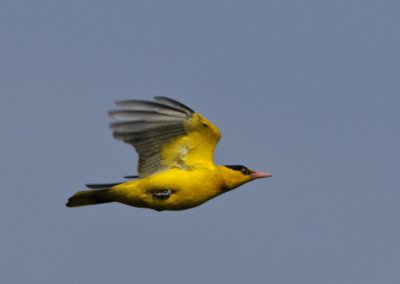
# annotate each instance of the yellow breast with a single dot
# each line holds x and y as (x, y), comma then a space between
(189, 188)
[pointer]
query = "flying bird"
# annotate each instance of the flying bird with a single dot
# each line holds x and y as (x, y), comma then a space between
(176, 170)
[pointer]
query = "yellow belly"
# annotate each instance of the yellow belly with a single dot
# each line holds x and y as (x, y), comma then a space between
(189, 188)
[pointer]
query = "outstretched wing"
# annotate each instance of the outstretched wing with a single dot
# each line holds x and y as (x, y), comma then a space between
(166, 134)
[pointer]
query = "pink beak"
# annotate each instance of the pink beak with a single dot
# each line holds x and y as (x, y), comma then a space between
(259, 174)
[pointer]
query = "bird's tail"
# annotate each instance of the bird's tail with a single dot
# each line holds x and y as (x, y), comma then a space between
(87, 197)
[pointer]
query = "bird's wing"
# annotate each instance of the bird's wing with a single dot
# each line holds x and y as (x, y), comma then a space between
(166, 134)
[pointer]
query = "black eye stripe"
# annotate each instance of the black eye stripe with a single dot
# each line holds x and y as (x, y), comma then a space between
(243, 169)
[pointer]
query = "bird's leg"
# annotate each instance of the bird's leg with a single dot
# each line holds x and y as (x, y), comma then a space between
(162, 194)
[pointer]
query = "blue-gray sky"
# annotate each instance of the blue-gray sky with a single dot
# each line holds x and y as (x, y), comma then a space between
(307, 90)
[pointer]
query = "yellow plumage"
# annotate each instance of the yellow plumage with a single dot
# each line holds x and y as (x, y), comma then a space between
(176, 167)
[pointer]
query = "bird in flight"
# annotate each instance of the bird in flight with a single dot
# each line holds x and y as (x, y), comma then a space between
(176, 170)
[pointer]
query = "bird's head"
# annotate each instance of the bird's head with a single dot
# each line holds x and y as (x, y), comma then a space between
(236, 175)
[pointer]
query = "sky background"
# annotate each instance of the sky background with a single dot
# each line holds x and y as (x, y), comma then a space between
(306, 90)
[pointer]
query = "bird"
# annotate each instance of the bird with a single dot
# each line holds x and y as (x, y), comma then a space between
(176, 169)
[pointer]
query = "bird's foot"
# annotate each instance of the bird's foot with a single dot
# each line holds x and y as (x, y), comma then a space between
(162, 194)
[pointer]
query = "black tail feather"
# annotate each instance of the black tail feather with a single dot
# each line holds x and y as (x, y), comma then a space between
(87, 197)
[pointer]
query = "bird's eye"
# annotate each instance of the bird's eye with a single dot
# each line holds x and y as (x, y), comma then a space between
(240, 168)
(245, 171)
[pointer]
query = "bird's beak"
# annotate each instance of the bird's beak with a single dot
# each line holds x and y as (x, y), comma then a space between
(259, 174)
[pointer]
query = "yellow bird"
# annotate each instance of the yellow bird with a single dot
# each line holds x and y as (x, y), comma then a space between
(176, 168)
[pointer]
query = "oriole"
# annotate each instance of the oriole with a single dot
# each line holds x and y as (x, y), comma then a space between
(176, 170)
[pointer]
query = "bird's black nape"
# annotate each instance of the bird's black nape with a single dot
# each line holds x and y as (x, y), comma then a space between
(243, 169)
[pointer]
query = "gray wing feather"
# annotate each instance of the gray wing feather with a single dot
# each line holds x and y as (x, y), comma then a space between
(174, 104)
(160, 108)
(138, 115)
(147, 126)
(102, 185)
